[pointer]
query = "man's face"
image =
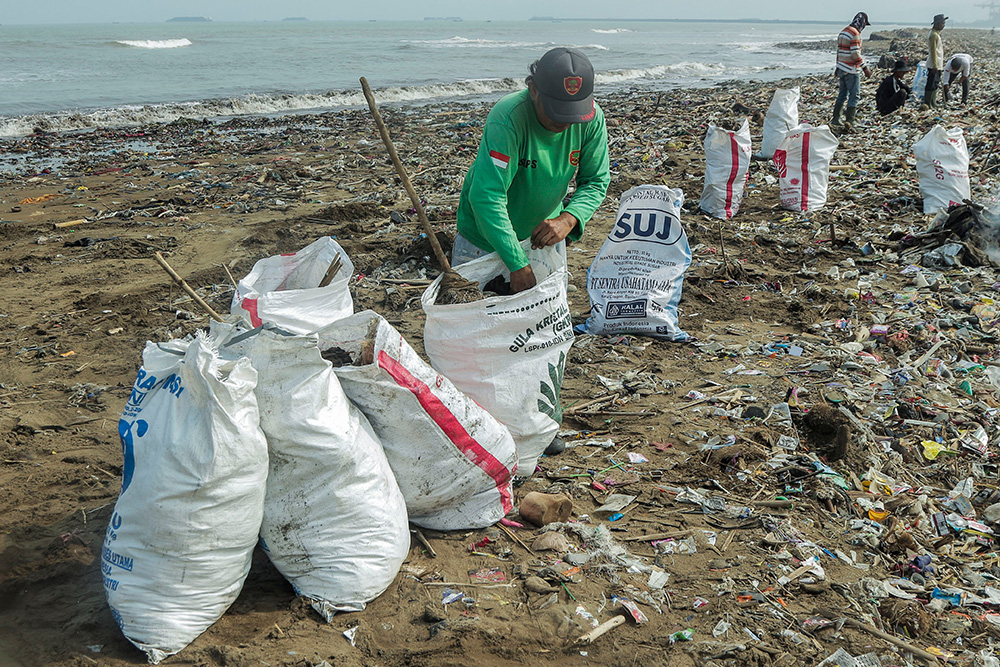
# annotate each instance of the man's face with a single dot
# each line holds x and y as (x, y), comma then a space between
(939, 25)
(543, 119)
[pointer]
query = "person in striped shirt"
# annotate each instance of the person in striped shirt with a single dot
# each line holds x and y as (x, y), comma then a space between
(849, 66)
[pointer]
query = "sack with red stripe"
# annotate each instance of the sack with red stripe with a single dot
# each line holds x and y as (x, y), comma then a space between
(454, 463)
(334, 520)
(803, 162)
(727, 162)
(284, 290)
(508, 352)
(943, 168)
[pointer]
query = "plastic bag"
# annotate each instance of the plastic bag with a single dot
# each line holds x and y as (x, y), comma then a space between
(919, 82)
(284, 289)
(803, 162)
(508, 352)
(453, 461)
(334, 520)
(636, 279)
(782, 116)
(182, 534)
(727, 162)
(943, 168)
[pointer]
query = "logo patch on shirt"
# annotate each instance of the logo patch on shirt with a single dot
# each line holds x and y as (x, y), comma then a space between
(574, 158)
(499, 159)
(572, 84)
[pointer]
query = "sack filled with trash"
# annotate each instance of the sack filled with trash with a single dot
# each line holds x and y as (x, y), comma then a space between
(727, 162)
(298, 292)
(508, 353)
(943, 168)
(782, 116)
(180, 541)
(335, 522)
(803, 162)
(636, 279)
(453, 461)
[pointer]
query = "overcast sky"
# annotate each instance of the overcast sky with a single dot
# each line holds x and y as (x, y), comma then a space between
(133, 11)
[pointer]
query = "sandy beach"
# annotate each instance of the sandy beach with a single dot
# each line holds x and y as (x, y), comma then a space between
(82, 215)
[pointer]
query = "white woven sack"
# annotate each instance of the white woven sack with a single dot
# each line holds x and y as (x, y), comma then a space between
(782, 115)
(182, 534)
(727, 162)
(803, 162)
(453, 461)
(943, 168)
(636, 278)
(334, 520)
(508, 352)
(284, 289)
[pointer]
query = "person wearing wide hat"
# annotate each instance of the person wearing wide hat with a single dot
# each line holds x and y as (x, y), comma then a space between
(935, 61)
(850, 64)
(893, 91)
(534, 143)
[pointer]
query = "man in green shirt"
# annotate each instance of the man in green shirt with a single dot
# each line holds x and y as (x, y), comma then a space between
(533, 144)
(935, 61)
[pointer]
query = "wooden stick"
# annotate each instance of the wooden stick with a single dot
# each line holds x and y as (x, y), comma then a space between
(331, 272)
(423, 540)
(601, 629)
(384, 132)
(657, 536)
(187, 288)
(71, 223)
(898, 643)
(514, 537)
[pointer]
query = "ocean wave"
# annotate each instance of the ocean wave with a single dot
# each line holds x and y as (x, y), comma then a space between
(130, 115)
(465, 42)
(610, 31)
(678, 70)
(155, 43)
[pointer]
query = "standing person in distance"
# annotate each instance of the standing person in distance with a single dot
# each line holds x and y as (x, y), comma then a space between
(893, 92)
(935, 61)
(849, 65)
(957, 70)
(534, 142)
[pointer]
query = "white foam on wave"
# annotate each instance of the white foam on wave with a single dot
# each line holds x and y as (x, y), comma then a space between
(677, 70)
(465, 42)
(129, 115)
(610, 31)
(155, 43)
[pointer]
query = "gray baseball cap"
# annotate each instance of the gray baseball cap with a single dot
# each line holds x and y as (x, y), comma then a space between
(564, 78)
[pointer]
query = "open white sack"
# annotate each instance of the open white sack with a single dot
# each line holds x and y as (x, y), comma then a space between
(943, 168)
(727, 162)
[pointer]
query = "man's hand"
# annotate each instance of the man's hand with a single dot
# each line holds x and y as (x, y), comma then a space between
(522, 279)
(868, 72)
(553, 230)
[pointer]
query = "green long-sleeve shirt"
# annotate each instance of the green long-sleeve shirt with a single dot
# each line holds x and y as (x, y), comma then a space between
(522, 173)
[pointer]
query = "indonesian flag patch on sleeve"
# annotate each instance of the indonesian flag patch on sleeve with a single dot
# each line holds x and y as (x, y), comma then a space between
(499, 159)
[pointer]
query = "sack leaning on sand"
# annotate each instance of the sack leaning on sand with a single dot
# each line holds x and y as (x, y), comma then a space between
(335, 522)
(727, 165)
(782, 116)
(943, 168)
(284, 289)
(635, 281)
(182, 535)
(508, 353)
(453, 461)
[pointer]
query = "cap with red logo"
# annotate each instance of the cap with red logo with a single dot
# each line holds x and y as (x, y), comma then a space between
(564, 78)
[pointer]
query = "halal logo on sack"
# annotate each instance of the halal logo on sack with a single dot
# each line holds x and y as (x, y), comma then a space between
(572, 84)
(652, 225)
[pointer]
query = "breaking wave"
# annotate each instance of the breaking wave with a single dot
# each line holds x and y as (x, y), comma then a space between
(466, 43)
(610, 31)
(678, 70)
(155, 43)
(128, 115)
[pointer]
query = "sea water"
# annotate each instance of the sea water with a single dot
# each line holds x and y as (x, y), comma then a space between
(62, 77)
